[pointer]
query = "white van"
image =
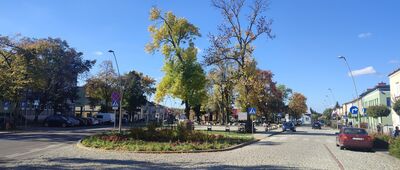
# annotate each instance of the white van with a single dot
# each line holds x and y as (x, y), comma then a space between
(106, 117)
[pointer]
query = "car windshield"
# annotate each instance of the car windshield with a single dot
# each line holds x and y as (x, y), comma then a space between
(288, 124)
(355, 131)
(99, 116)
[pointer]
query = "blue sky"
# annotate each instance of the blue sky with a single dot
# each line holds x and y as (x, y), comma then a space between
(309, 36)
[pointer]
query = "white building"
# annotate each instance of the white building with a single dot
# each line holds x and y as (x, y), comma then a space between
(394, 79)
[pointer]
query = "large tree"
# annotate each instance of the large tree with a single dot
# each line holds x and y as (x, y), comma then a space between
(236, 35)
(100, 87)
(184, 77)
(136, 87)
(51, 63)
(297, 105)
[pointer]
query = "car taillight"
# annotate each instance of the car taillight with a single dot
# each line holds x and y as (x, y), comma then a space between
(344, 137)
(368, 138)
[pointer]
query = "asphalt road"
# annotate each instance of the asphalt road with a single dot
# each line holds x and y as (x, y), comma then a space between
(39, 140)
(304, 149)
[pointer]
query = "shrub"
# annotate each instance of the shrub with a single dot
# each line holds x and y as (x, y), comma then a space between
(394, 147)
(381, 141)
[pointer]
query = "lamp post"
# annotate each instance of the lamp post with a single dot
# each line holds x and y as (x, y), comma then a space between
(354, 83)
(121, 92)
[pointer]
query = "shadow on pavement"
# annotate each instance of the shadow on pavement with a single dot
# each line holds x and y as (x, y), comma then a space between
(307, 133)
(43, 137)
(85, 163)
(270, 143)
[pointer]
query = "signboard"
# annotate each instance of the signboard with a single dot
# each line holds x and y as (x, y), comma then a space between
(354, 110)
(115, 105)
(23, 105)
(6, 105)
(242, 116)
(115, 96)
(251, 111)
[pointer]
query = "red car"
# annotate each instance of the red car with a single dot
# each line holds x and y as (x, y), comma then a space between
(354, 138)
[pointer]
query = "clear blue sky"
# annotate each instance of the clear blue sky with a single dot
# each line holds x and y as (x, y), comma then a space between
(309, 36)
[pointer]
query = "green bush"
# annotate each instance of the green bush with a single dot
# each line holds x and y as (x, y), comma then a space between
(381, 141)
(394, 147)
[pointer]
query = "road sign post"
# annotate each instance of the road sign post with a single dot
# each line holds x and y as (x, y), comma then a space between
(252, 111)
(115, 104)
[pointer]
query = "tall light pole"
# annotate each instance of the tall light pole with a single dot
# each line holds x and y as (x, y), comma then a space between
(355, 87)
(120, 91)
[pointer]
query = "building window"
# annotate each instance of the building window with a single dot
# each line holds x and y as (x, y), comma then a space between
(388, 102)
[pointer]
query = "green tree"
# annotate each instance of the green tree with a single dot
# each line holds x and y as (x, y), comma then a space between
(396, 107)
(100, 87)
(378, 111)
(136, 86)
(297, 105)
(314, 114)
(51, 63)
(184, 77)
(327, 114)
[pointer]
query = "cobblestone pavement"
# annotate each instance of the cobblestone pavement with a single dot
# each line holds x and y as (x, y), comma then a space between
(305, 149)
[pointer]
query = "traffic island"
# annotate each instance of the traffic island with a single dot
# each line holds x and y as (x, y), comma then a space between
(166, 141)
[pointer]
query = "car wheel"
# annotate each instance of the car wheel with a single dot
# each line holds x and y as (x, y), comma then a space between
(342, 148)
(46, 124)
(337, 145)
(64, 125)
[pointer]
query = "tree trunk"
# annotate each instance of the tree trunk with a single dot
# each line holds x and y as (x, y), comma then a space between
(187, 110)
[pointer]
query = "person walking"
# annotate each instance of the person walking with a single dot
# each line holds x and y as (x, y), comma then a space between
(396, 132)
(379, 128)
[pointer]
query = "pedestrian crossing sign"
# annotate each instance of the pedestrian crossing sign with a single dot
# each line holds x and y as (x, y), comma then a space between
(115, 105)
(252, 111)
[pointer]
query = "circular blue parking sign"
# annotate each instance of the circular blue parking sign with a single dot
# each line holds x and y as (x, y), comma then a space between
(354, 110)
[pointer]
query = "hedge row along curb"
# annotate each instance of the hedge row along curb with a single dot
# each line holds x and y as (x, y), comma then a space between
(80, 145)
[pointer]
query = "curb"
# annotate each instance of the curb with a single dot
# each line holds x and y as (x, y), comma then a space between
(81, 146)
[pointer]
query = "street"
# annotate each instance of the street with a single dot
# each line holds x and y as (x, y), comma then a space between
(304, 149)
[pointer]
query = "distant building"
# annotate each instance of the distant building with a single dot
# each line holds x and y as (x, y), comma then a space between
(377, 96)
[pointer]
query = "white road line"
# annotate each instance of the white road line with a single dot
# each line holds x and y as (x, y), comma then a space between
(32, 151)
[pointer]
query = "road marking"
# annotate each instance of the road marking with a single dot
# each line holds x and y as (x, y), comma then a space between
(334, 158)
(32, 151)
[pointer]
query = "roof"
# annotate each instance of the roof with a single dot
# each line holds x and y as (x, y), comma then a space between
(378, 87)
(395, 71)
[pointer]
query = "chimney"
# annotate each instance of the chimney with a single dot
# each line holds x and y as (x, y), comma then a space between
(381, 84)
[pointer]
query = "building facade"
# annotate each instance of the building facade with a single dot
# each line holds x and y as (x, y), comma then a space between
(394, 79)
(377, 96)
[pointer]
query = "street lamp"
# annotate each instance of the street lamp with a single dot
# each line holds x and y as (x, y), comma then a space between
(354, 83)
(121, 92)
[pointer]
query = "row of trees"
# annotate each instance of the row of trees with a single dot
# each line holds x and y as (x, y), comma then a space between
(137, 88)
(45, 70)
(233, 76)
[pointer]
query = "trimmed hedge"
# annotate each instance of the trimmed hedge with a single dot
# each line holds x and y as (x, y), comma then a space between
(394, 147)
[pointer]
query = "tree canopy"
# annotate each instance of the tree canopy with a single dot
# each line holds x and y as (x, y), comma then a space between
(378, 111)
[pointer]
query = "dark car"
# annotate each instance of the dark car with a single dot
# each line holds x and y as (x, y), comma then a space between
(316, 125)
(57, 120)
(354, 138)
(288, 126)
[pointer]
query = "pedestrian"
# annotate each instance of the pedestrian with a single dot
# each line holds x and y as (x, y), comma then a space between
(350, 124)
(396, 132)
(379, 128)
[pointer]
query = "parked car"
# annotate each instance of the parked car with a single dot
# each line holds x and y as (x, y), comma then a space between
(354, 138)
(93, 121)
(73, 119)
(316, 125)
(288, 126)
(57, 120)
(106, 118)
(82, 121)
